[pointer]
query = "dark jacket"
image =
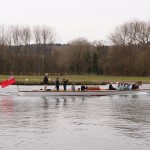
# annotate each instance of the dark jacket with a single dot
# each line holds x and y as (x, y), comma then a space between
(45, 80)
(83, 88)
(135, 86)
(57, 83)
(111, 87)
(65, 81)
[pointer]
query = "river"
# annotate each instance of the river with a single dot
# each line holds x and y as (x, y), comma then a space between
(74, 123)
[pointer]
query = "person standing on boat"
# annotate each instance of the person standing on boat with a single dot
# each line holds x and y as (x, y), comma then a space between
(65, 81)
(57, 83)
(45, 81)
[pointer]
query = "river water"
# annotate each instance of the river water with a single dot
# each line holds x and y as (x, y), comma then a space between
(74, 123)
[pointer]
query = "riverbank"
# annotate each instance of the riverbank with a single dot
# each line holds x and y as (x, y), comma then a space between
(76, 79)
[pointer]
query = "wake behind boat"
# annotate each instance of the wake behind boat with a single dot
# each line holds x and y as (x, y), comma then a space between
(103, 92)
(4, 94)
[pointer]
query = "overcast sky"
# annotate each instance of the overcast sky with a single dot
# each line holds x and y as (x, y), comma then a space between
(71, 19)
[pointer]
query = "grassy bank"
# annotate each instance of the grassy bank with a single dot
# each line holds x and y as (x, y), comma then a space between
(77, 79)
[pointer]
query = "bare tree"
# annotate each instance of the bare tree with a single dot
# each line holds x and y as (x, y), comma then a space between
(79, 56)
(25, 35)
(2, 47)
(47, 39)
(37, 38)
(132, 40)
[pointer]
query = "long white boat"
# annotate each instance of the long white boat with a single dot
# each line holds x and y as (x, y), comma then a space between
(81, 93)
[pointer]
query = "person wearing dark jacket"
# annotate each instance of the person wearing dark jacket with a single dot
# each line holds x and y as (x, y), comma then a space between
(111, 87)
(83, 87)
(45, 81)
(135, 86)
(65, 81)
(57, 83)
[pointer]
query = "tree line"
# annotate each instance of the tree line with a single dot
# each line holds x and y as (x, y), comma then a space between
(26, 50)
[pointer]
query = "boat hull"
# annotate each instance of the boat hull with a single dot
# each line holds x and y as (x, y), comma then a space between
(79, 93)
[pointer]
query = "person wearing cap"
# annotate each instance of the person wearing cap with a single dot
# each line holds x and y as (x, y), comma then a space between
(45, 81)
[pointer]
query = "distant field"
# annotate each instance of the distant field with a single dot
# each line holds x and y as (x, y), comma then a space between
(77, 79)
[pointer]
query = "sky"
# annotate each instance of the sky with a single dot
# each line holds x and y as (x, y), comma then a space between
(72, 19)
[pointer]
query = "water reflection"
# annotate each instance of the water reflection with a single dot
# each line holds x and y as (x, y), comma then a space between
(7, 104)
(75, 122)
(131, 116)
(45, 103)
(135, 96)
(65, 101)
(57, 103)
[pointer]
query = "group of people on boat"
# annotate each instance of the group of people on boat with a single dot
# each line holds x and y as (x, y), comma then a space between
(57, 82)
(124, 86)
(120, 87)
(64, 82)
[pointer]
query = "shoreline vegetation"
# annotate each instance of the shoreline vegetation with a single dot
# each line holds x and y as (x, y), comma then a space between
(76, 79)
(35, 50)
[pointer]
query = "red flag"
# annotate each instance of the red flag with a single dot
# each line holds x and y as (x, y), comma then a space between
(8, 82)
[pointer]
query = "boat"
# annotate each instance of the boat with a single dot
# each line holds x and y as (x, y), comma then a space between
(104, 92)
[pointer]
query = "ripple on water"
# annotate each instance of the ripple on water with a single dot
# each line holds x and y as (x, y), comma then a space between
(111, 122)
